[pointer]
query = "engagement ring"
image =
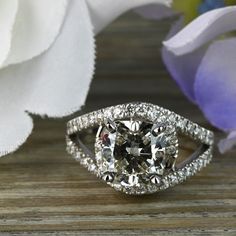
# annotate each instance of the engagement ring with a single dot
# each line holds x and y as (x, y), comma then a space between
(139, 148)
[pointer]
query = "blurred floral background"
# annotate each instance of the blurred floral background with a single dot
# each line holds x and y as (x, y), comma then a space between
(47, 59)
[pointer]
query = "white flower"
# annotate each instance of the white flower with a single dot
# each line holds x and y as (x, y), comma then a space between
(47, 58)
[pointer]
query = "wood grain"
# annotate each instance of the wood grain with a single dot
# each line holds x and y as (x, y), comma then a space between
(44, 192)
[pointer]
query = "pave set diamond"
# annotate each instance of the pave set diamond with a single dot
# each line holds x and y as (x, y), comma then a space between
(136, 146)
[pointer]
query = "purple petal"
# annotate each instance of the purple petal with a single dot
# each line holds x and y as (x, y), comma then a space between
(228, 143)
(200, 31)
(215, 85)
(183, 68)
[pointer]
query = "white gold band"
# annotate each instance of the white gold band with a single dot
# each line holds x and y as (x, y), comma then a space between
(152, 114)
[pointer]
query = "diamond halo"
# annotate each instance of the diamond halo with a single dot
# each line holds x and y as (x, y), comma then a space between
(136, 147)
(134, 153)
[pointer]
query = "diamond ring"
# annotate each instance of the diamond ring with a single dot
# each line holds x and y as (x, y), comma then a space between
(139, 148)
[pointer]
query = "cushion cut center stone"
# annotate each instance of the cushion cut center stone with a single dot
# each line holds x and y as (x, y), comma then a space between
(136, 148)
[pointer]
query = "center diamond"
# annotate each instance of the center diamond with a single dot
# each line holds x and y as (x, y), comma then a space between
(132, 153)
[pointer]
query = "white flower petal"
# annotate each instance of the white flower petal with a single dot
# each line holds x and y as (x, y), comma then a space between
(205, 28)
(104, 12)
(8, 11)
(54, 84)
(15, 127)
(37, 26)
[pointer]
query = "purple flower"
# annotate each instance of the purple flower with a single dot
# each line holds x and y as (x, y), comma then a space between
(204, 66)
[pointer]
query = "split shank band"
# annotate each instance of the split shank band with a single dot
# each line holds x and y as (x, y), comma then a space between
(139, 148)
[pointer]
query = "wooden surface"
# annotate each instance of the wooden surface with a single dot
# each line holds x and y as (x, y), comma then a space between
(44, 192)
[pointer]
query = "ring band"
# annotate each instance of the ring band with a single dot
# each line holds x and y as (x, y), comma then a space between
(139, 148)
